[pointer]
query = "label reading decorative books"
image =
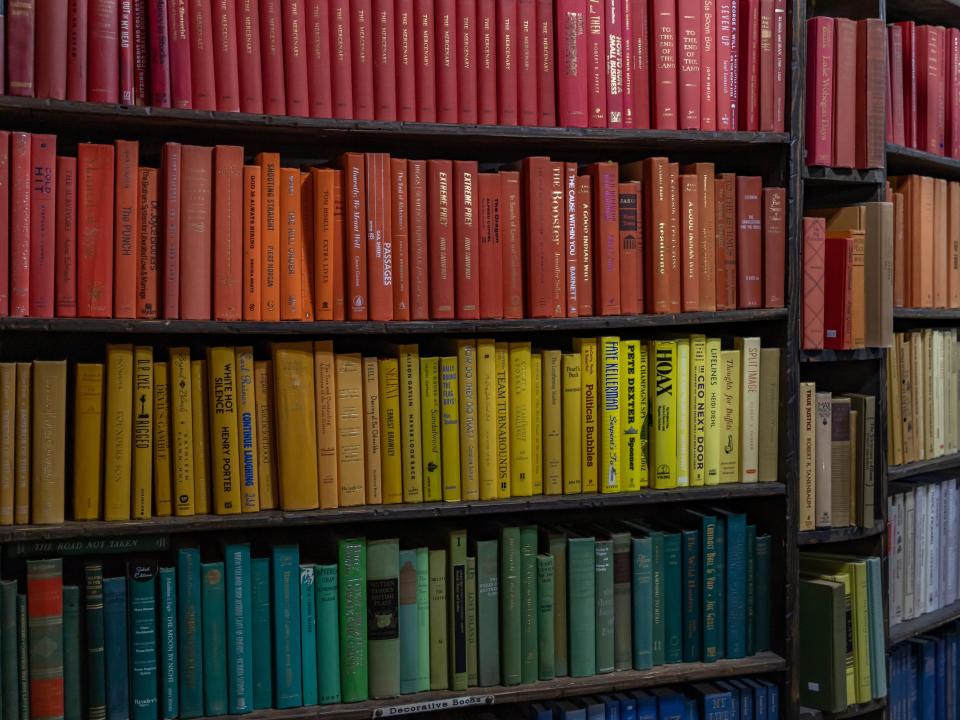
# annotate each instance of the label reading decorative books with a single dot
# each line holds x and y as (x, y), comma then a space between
(433, 706)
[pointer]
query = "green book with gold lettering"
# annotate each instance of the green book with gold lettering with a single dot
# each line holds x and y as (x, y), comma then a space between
(510, 609)
(353, 619)
(529, 646)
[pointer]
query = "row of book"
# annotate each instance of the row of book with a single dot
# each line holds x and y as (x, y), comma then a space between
(925, 676)
(923, 110)
(842, 646)
(838, 466)
(848, 273)
(923, 396)
(379, 238)
(922, 553)
(311, 428)
(846, 93)
(619, 64)
(244, 632)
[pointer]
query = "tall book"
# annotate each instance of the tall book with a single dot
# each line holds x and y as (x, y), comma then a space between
(383, 633)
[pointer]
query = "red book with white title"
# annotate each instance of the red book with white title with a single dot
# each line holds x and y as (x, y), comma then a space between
(585, 246)
(467, 62)
(202, 73)
(159, 53)
(596, 64)
(43, 224)
(491, 274)
(446, 60)
(418, 237)
(780, 53)
(663, 19)
(511, 244)
(20, 169)
(295, 58)
(384, 61)
(77, 50)
(103, 47)
(571, 240)
(726, 65)
(406, 61)
(379, 241)
(845, 93)
(543, 242)
(748, 64)
(487, 34)
(613, 24)
(895, 93)
(507, 100)
(65, 264)
(400, 237)
(929, 120)
(355, 214)
(127, 67)
(424, 67)
(526, 57)
(952, 100)
(225, 62)
(318, 59)
(94, 230)
(141, 54)
(341, 59)
(440, 189)
(708, 65)
(271, 56)
(170, 163)
(21, 61)
(546, 77)
(181, 82)
(248, 56)
(571, 71)
(125, 227)
(5, 225)
(688, 56)
(51, 48)
(640, 51)
(767, 65)
(466, 236)
(749, 241)
(626, 53)
(819, 93)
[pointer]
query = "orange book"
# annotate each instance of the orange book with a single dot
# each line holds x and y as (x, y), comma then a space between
(307, 287)
(656, 212)
(941, 251)
(355, 219)
(125, 228)
(676, 280)
(323, 241)
(418, 239)
(725, 193)
(379, 240)
(339, 248)
(170, 163)
(399, 218)
(690, 246)
(228, 233)
(706, 249)
(628, 217)
(95, 230)
(953, 234)
(269, 235)
(148, 245)
(923, 271)
(900, 271)
(196, 192)
(252, 258)
(66, 235)
(291, 245)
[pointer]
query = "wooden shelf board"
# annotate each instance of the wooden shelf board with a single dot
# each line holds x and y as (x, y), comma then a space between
(837, 535)
(900, 472)
(925, 623)
(936, 314)
(906, 161)
(857, 710)
(932, 12)
(818, 175)
(862, 354)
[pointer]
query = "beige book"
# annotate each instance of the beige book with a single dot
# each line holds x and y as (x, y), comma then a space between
(895, 415)
(729, 416)
(749, 348)
(840, 462)
(941, 251)
(808, 456)
(905, 363)
(824, 461)
(21, 478)
(48, 482)
(351, 382)
(325, 388)
(769, 417)
(929, 392)
(878, 274)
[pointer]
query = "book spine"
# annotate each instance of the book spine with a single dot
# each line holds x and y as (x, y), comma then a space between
(190, 626)
(488, 614)
(202, 72)
(665, 111)
(457, 610)
(545, 611)
(158, 52)
(526, 63)
(20, 55)
(605, 620)
(225, 55)
(353, 619)
(406, 60)
(308, 634)
(8, 642)
(76, 43)
(261, 687)
(544, 53)
(116, 647)
(45, 626)
(582, 591)
(126, 226)
(511, 238)
(72, 658)
(672, 599)
(606, 240)
(689, 28)
(142, 591)
(148, 245)
(663, 444)
(510, 606)
(125, 25)
(239, 630)
(425, 65)
(819, 115)
(213, 601)
(285, 567)
(610, 480)
(467, 280)
(42, 211)
(295, 51)
(196, 188)
(51, 49)
(596, 69)
(774, 246)
(169, 697)
(447, 39)
(749, 243)
(466, 62)
(642, 590)
(507, 75)
(20, 225)
(181, 80)
(407, 621)
(328, 642)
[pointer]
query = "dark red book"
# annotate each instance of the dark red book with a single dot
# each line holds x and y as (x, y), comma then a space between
(748, 64)
(491, 259)
(103, 46)
(406, 61)
(445, 20)
(202, 74)
(596, 66)
(628, 219)
(546, 75)
(952, 101)
(225, 59)
(585, 246)
(487, 62)
(248, 56)
(626, 52)
(425, 65)
(20, 168)
(572, 62)
(3, 53)
(4, 223)
(663, 19)
(780, 59)
(870, 93)
(837, 286)
(441, 230)
(400, 237)
(774, 246)
(606, 238)
(318, 59)
(930, 114)
(384, 51)
(159, 53)
(271, 56)
(466, 237)
(467, 62)
(511, 244)
(908, 38)
(379, 241)
(820, 93)
(355, 213)
(141, 53)
(126, 226)
(571, 240)
(708, 66)
(613, 25)
(361, 67)
(52, 17)
(725, 257)
(295, 57)
(749, 244)
(767, 65)
(127, 65)
(196, 236)
(419, 248)
(845, 93)
(181, 83)
(640, 52)
(20, 28)
(543, 298)
(65, 263)
(43, 224)
(726, 43)
(95, 230)
(688, 75)
(896, 85)
(526, 57)
(341, 59)
(77, 50)
(508, 108)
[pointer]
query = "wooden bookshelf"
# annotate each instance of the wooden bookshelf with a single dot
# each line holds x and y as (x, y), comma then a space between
(838, 535)
(908, 161)
(901, 472)
(932, 12)
(925, 623)
(939, 315)
(861, 710)
(817, 175)
(863, 354)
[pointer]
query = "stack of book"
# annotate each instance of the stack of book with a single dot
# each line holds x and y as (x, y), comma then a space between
(923, 381)
(838, 466)
(842, 646)
(922, 554)
(924, 675)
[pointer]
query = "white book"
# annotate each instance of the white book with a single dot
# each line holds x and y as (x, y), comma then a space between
(897, 582)
(749, 348)
(893, 575)
(823, 448)
(933, 547)
(920, 518)
(909, 556)
(948, 574)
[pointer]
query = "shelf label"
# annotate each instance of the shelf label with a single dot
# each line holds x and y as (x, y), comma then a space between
(432, 706)
(87, 546)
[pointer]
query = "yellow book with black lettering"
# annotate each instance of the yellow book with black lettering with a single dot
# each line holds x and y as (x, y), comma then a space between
(162, 461)
(201, 436)
(87, 440)
(729, 416)
(296, 430)
(629, 426)
(373, 431)
(643, 414)
(572, 409)
(325, 382)
(521, 444)
(224, 439)
(711, 440)
(411, 454)
(487, 418)
(118, 440)
(553, 422)
(698, 409)
(143, 419)
(683, 412)
(467, 384)
(589, 377)
(266, 435)
(350, 429)
(663, 424)
(609, 432)
(536, 422)
(247, 431)
(390, 431)
(450, 428)
(21, 480)
(181, 432)
(48, 481)
(430, 428)
(8, 441)
(502, 357)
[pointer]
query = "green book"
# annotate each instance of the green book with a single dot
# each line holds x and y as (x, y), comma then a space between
(116, 651)
(690, 558)
(581, 563)
(439, 678)
(96, 679)
(622, 612)
(383, 627)
(423, 619)
(750, 614)
(407, 616)
(328, 634)
(823, 645)
(488, 614)
(603, 550)
(262, 635)
(457, 609)
(659, 593)
(72, 659)
(142, 591)
(167, 644)
(672, 602)
(352, 576)
(214, 600)
(8, 643)
(287, 677)
(556, 543)
(308, 635)
(45, 621)
(878, 674)
(510, 609)
(471, 622)
(190, 625)
(545, 590)
(642, 552)
(735, 567)
(239, 628)
(23, 661)
(761, 590)
(529, 665)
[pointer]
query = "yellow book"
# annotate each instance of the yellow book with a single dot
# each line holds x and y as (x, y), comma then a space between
(267, 475)
(450, 428)
(536, 422)
(521, 443)
(325, 382)
(21, 482)
(663, 423)
(411, 442)
(374, 433)
(224, 439)
(502, 357)
(749, 410)
(8, 441)
(48, 483)
(712, 436)
(87, 440)
(729, 416)
(201, 436)
(162, 465)
(350, 428)
(117, 452)
(296, 430)
(181, 432)
(609, 434)
(572, 409)
(552, 389)
(643, 412)
(247, 430)
(143, 419)
(390, 431)
(487, 418)
(467, 384)
(683, 412)
(629, 425)
(430, 428)
(698, 409)
(589, 461)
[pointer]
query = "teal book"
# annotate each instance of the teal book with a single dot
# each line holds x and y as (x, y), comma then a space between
(262, 634)
(709, 617)
(96, 678)
(659, 592)
(581, 563)
(167, 644)
(287, 681)
(642, 580)
(383, 627)
(750, 616)
(488, 614)
(308, 635)
(761, 589)
(8, 644)
(457, 609)
(72, 659)
(690, 549)
(407, 616)
(238, 570)
(115, 641)
(604, 607)
(213, 598)
(423, 619)
(23, 661)
(190, 627)
(471, 621)
(545, 589)
(735, 542)
(878, 671)
(556, 543)
(352, 555)
(672, 598)
(529, 664)
(142, 591)
(510, 606)
(328, 634)
(721, 582)
(45, 631)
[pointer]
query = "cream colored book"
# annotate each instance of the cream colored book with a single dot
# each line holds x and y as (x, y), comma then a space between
(823, 446)
(730, 416)
(808, 456)
(749, 460)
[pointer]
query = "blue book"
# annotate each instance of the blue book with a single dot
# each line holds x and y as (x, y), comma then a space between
(566, 710)
(773, 699)
(759, 698)
(214, 602)
(611, 707)
(761, 589)
(308, 634)
(671, 705)
(672, 592)
(167, 642)
(746, 699)
(239, 628)
(594, 708)
(750, 595)
(328, 633)
(288, 685)
(628, 706)
(646, 705)
(642, 582)
(690, 708)
(538, 711)
(142, 590)
(926, 671)
(262, 634)
(941, 679)
(951, 638)
(190, 627)
(115, 647)
(690, 545)
(913, 665)
(409, 623)
(659, 626)
(735, 544)
(720, 580)
(715, 703)
(734, 691)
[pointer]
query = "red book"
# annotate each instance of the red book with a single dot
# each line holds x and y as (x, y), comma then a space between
(196, 188)
(508, 109)
(546, 83)
(749, 230)
(127, 66)
(170, 229)
(626, 52)
(845, 93)
(629, 215)
(141, 53)
(908, 37)
(767, 64)
(446, 61)
(708, 64)
(511, 244)
(45, 608)
(159, 37)
(814, 232)
(295, 57)
(535, 177)
(248, 57)
(896, 85)
(228, 233)
(930, 114)
(526, 57)
(774, 246)
(571, 240)
(148, 245)
(689, 230)
(487, 62)
(202, 74)
(384, 61)
(606, 238)
(688, 34)
(225, 60)
(341, 54)
(440, 220)
(748, 64)
(20, 169)
(491, 258)
(51, 70)
(419, 250)
(181, 81)
(103, 47)
(663, 18)
(870, 93)
(819, 114)
(725, 191)
(379, 240)
(43, 224)
(20, 23)
(400, 237)
(952, 100)
(95, 231)
(467, 93)
(77, 50)
(585, 246)
(640, 52)
(4, 223)
(596, 67)
(780, 52)
(361, 70)
(126, 225)
(837, 295)
(355, 213)
(466, 251)
(318, 59)
(271, 56)
(726, 23)
(572, 59)
(425, 71)
(65, 264)
(406, 61)
(613, 24)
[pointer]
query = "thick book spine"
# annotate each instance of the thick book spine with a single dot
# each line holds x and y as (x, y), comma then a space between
(142, 591)
(116, 647)
(582, 603)
(148, 245)
(213, 601)
(43, 225)
(202, 72)
(689, 59)
(45, 627)
(271, 57)
(286, 615)
(190, 625)
(295, 52)
(353, 619)
(487, 57)
(425, 65)
(239, 629)
(466, 64)
(20, 245)
(169, 698)
(606, 241)
(51, 48)
(159, 52)
(95, 658)
(526, 62)
(510, 606)
(774, 246)
(408, 621)
(181, 74)
(642, 607)
(20, 60)
(126, 225)
(250, 85)
(383, 636)
(663, 19)
(441, 234)
(228, 232)
(529, 641)
(225, 57)
(507, 78)
(361, 70)
(511, 238)
(748, 64)
(571, 70)
(819, 116)
(406, 60)
(77, 12)
(196, 232)
(749, 242)
(308, 634)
